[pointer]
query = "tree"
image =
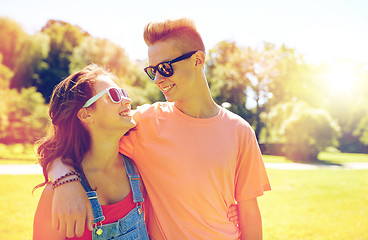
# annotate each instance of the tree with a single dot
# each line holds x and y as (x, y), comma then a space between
(23, 116)
(260, 73)
(12, 38)
(345, 98)
(5, 75)
(306, 131)
(292, 78)
(64, 37)
(31, 61)
(106, 53)
(257, 77)
(102, 52)
(226, 69)
(361, 130)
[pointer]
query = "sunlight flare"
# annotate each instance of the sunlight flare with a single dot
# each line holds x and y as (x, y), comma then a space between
(341, 79)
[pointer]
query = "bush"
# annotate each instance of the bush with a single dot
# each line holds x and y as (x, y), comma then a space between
(306, 131)
(362, 130)
(23, 116)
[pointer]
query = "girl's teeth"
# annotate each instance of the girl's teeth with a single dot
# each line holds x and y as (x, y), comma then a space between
(125, 114)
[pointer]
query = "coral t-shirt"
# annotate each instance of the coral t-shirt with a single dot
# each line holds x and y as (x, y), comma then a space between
(193, 170)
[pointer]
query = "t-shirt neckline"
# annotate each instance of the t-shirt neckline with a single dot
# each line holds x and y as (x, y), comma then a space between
(186, 117)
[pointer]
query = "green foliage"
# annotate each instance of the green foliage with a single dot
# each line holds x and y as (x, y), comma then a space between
(12, 38)
(105, 53)
(250, 80)
(5, 75)
(362, 130)
(276, 74)
(292, 78)
(31, 61)
(102, 52)
(226, 68)
(64, 37)
(346, 100)
(261, 77)
(18, 153)
(23, 116)
(305, 130)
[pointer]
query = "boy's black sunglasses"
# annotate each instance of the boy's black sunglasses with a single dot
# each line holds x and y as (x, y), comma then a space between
(165, 68)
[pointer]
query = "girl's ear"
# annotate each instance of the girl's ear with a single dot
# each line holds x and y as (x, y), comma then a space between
(84, 116)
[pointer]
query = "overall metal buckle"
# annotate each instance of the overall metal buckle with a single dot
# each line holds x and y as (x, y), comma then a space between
(99, 230)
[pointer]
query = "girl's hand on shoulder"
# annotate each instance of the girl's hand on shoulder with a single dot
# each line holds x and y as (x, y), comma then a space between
(233, 214)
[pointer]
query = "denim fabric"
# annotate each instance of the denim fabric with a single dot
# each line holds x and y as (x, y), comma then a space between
(131, 226)
(134, 180)
(96, 207)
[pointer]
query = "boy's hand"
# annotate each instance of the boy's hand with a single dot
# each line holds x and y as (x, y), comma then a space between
(71, 210)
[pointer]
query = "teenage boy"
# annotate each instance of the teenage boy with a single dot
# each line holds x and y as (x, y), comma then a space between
(195, 157)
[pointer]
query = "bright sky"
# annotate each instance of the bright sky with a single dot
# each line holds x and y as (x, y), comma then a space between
(321, 30)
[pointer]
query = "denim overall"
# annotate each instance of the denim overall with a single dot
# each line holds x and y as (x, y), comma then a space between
(132, 226)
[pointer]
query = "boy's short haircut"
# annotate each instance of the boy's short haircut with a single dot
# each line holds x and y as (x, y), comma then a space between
(182, 32)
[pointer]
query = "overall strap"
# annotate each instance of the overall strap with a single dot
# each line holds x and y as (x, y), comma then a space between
(134, 180)
(92, 197)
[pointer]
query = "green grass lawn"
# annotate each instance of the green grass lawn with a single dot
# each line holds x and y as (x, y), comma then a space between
(321, 204)
(337, 158)
(7, 157)
(18, 151)
(18, 205)
(316, 204)
(26, 154)
(303, 204)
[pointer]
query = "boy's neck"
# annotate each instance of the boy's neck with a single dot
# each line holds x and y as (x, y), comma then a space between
(199, 104)
(201, 108)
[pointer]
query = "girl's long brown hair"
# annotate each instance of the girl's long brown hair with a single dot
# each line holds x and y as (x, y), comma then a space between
(68, 139)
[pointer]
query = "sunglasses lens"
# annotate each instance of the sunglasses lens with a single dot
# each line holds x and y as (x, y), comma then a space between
(125, 94)
(115, 95)
(151, 72)
(165, 69)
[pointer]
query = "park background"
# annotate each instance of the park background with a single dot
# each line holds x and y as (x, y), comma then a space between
(297, 71)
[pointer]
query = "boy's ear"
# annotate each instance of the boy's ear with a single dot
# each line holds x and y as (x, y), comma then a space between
(200, 58)
(84, 116)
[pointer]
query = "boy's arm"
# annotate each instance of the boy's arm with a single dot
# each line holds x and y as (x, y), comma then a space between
(42, 229)
(57, 168)
(250, 221)
(71, 209)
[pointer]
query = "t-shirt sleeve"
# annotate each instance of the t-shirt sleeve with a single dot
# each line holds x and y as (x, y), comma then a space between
(251, 175)
(126, 144)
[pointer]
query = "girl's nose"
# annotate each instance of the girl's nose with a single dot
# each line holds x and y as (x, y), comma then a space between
(126, 100)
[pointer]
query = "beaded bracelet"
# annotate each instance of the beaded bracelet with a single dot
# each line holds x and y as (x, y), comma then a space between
(66, 175)
(59, 183)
